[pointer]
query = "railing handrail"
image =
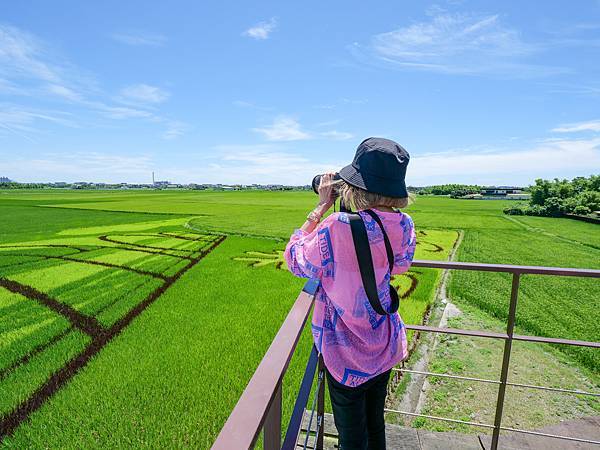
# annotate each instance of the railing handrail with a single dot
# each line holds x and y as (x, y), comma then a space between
(507, 268)
(261, 400)
(247, 418)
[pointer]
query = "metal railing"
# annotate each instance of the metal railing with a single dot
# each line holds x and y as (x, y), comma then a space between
(259, 407)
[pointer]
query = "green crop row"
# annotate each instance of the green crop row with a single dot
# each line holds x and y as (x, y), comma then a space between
(24, 326)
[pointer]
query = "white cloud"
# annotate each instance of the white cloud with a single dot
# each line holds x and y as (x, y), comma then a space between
(283, 129)
(263, 163)
(9, 88)
(28, 68)
(459, 44)
(342, 102)
(273, 163)
(122, 112)
(592, 125)
(337, 135)
(144, 93)
(174, 129)
(353, 101)
(261, 30)
(251, 105)
(21, 55)
(266, 163)
(22, 121)
(64, 92)
(547, 159)
(575, 89)
(325, 106)
(243, 104)
(140, 38)
(78, 166)
(328, 123)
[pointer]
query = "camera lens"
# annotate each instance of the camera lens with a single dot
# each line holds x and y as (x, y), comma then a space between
(316, 182)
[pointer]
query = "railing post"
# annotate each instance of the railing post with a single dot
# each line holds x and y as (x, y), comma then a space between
(506, 359)
(272, 426)
(321, 404)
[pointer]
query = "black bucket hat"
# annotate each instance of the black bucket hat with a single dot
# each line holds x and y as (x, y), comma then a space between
(379, 166)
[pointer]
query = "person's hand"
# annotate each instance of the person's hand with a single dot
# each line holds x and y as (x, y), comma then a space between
(326, 189)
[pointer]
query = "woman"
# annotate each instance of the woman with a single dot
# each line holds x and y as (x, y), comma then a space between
(359, 346)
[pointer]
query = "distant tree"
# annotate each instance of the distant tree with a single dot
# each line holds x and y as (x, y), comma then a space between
(454, 190)
(558, 197)
(540, 191)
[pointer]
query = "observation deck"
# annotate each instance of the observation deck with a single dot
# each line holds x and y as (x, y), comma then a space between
(260, 406)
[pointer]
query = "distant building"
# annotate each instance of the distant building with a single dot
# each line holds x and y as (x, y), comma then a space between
(161, 184)
(5, 180)
(501, 190)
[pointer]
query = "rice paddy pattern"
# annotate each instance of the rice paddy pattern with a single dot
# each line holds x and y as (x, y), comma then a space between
(79, 306)
(405, 283)
(260, 259)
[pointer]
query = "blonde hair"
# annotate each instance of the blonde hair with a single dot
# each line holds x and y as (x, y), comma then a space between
(359, 199)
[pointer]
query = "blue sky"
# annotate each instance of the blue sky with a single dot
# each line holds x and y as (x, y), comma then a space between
(274, 92)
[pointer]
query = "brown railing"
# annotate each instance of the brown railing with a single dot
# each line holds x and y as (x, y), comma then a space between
(259, 407)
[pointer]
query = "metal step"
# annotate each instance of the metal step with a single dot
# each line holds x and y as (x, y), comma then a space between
(397, 437)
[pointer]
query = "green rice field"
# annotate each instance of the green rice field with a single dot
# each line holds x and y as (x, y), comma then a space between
(136, 318)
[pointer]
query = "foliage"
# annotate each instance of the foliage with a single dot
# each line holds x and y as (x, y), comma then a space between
(515, 210)
(15, 185)
(559, 197)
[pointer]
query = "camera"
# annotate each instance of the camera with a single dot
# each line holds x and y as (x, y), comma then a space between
(335, 194)
(316, 182)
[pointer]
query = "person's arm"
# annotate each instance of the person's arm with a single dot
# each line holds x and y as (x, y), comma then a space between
(302, 251)
(326, 200)
(403, 260)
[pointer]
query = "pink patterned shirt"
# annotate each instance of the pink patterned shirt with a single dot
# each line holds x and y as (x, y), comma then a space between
(356, 342)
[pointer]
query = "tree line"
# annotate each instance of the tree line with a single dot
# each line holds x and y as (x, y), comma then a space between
(555, 198)
(453, 190)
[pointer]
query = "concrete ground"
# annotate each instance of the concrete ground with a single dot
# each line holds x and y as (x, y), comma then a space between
(406, 438)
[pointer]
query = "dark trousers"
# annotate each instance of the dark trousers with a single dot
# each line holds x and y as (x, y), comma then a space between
(358, 412)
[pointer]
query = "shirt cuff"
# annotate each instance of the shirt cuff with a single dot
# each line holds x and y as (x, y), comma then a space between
(299, 233)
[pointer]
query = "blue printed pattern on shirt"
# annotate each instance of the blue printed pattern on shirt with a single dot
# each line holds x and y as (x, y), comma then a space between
(307, 269)
(331, 334)
(317, 333)
(408, 245)
(354, 377)
(326, 251)
(404, 259)
(331, 315)
(374, 232)
(338, 337)
(343, 217)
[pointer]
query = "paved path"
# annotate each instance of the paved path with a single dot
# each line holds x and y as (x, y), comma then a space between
(406, 438)
(401, 438)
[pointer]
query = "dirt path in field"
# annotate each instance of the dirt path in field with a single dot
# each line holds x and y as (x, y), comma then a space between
(414, 394)
(100, 335)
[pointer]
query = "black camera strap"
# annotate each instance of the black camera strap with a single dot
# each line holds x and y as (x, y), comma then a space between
(365, 262)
